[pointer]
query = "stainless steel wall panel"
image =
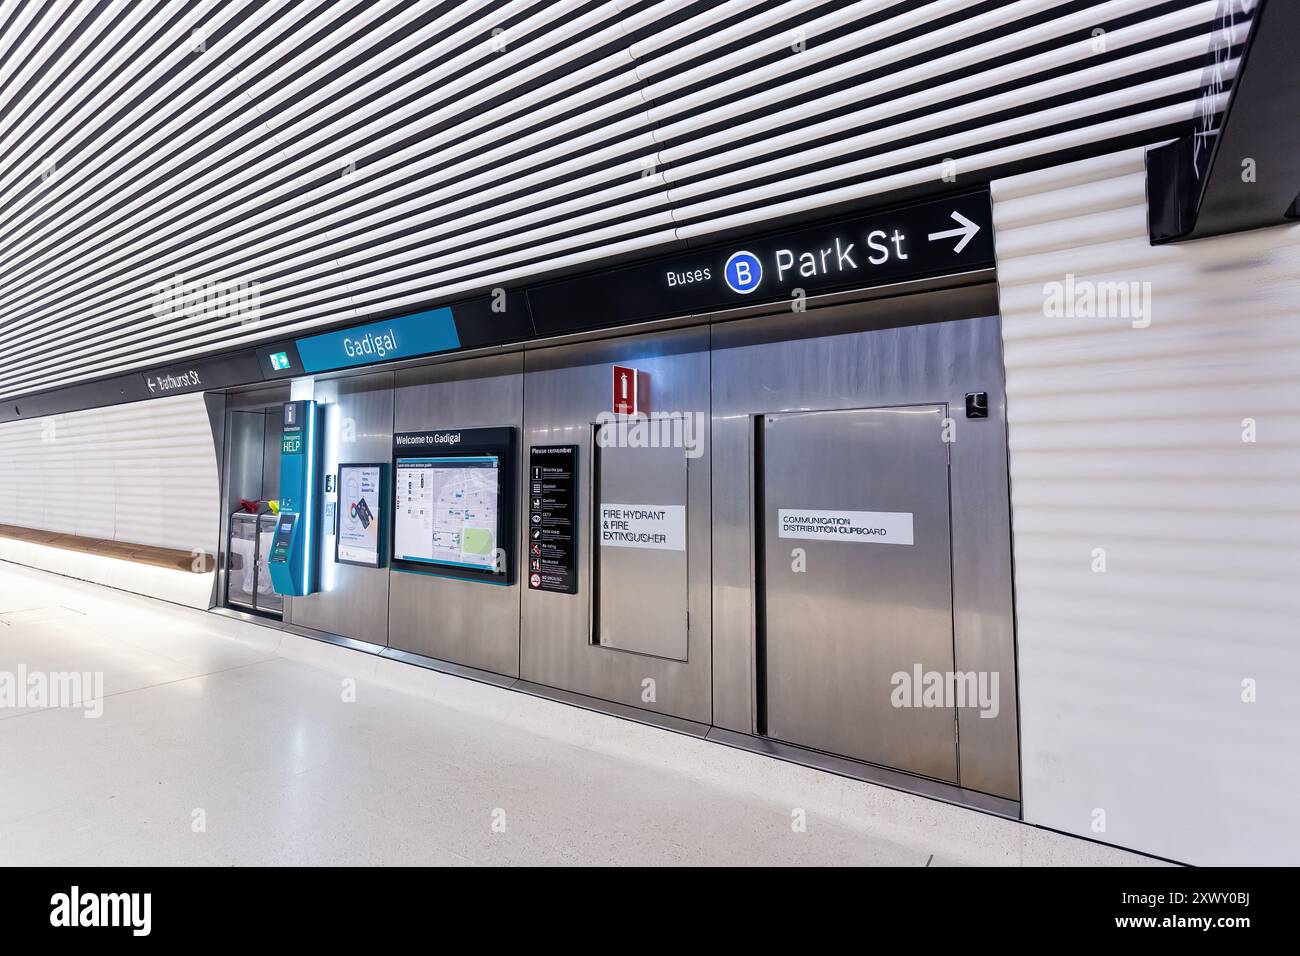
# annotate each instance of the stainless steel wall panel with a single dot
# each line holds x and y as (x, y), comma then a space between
(250, 459)
(246, 449)
(241, 475)
(356, 426)
(921, 349)
(679, 640)
(566, 388)
(271, 454)
(641, 592)
(841, 616)
(472, 623)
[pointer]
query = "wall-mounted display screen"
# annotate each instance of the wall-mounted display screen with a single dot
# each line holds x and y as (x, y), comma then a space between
(360, 513)
(452, 501)
(447, 510)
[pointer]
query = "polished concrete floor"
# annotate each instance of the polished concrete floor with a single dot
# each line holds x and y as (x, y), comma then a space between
(222, 742)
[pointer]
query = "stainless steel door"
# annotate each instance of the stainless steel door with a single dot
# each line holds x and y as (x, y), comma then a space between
(858, 591)
(641, 559)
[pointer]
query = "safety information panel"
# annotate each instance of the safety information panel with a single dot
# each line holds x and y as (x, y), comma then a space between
(552, 518)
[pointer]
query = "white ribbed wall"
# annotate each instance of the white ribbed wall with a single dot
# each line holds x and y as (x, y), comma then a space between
(353, 158)
(1130, 440)
(144, 473)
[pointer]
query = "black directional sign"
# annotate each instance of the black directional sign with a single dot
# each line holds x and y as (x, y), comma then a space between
(911, 242)
(210, 373)
(936, 237)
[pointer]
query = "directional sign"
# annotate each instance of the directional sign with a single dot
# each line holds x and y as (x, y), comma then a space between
(948, 235)
(965, 228)
(211, 373)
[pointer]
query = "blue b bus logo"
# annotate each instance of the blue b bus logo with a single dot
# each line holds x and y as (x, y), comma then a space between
(743, 272)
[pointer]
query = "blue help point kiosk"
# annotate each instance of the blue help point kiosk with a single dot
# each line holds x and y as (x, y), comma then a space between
(293, 560)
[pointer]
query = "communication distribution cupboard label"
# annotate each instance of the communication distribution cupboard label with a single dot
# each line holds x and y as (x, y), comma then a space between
(881, 527)
(552, 514)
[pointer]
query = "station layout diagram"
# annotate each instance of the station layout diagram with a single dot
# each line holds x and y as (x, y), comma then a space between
(446, 510)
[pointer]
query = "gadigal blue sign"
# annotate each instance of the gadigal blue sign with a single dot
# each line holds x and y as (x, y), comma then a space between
(422, 333)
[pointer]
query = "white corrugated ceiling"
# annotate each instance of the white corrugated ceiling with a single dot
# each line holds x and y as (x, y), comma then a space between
(359, 157)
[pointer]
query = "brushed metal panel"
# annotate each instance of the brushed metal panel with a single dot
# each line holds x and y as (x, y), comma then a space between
(356, 426)
(271, 453)
(922, 349)
(641, 592)
(446, 667)
(245, 450)
(841, 616)
(566, 387)
(215, 402)
(856, 770)
(983, 616)
(241, 474)
(474, 623)
(678, 725)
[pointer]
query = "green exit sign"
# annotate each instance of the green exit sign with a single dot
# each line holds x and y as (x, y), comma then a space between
(291, 444)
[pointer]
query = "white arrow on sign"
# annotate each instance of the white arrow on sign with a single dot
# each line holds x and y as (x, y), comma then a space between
(966, 230)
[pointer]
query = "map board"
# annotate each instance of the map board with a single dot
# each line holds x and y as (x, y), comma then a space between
(453, 500)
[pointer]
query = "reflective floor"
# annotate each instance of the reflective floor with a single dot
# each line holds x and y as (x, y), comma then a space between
(223, 742)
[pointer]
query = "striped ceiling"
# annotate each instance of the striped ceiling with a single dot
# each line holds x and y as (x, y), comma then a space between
(297, 163)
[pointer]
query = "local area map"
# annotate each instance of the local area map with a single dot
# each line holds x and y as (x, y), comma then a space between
(446, 510)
